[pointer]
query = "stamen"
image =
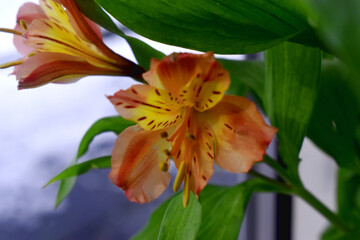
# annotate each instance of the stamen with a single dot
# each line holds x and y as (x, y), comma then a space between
(23, 24)
(164, 134)
(186, 193)
(7, 30)
(191, 136)
(167, 152)
(11, 64)
(179, 177)
(164, 166)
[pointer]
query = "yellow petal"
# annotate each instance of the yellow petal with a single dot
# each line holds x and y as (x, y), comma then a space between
(151, 108)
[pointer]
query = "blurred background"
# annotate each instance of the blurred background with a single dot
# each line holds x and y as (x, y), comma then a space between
(40, 130)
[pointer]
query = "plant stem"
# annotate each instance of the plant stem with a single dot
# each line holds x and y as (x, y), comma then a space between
(296, 188)
(278, 168)
(315, 203)
(282, 187)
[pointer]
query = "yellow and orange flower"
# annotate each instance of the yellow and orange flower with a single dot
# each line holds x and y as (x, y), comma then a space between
(61, 45)
(183, 114)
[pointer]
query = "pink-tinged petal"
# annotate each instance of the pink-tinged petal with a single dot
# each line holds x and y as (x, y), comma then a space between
(29, 12)
(241, 135)
(151, 108)
(43, 68)
(198, 80)
(135, 164)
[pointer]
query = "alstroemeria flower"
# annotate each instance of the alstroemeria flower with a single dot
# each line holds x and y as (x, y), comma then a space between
(183, 114)
(61, 45)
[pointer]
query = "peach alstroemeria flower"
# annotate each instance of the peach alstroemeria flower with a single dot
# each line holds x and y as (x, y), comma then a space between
(61, 45)
(183, 114)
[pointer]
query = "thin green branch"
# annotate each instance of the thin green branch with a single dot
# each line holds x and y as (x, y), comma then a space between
(278, 168)
(335, 220)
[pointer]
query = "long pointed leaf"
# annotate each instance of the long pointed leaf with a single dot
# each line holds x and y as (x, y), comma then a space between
(223, 26)
(291, 86)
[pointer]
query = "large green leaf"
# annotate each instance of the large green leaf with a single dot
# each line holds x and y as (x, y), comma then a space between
(244, 75)
(152, 228)
(223, 209)
(222, 26)
(142, 51)
(335, 118)
(291, 86)
(338, 24)
(113, 124)
(181, 223)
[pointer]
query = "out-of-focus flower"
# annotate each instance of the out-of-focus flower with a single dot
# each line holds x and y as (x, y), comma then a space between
(61, 45)
(183, 114)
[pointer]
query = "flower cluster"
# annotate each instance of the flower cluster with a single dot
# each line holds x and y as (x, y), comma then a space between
(182, 113)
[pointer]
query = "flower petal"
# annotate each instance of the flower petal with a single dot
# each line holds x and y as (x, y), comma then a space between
(241, 135)
(151, 108)
(28, 12)
(198, 80)
(194, 146)
(43, 68)
(137, 169)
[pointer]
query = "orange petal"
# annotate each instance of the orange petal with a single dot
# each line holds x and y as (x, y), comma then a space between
(241, 135)
(194, 146)
(151, 108)
(197, 79)
(135, 164)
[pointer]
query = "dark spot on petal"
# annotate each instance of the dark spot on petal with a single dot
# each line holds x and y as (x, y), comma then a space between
(150, 122)
(164, 134)
(134, 91)
(209, 154)
(157, 92)
(142, 118)
(129, 106)
(216, 92)
(228, 126)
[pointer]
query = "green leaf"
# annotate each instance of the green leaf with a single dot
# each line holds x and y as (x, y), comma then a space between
(179, 222)
(114, 124)
(152, 228)
(339, 26)
(224, 208)
(291, 85)
(348, 194)
(142, 51)
(81, 168)
(246, 74)
(222, 26)
(335, 118)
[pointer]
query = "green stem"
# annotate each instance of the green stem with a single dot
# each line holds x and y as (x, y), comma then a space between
(315, 203)
(297, 188)
(282, 187)
(278, 168)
